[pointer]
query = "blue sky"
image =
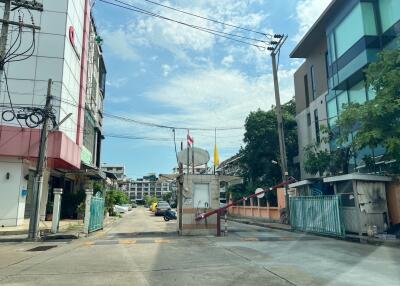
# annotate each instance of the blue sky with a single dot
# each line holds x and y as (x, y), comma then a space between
(166, 73)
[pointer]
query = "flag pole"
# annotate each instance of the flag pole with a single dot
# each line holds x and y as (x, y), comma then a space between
(215, 144)
(188, 153)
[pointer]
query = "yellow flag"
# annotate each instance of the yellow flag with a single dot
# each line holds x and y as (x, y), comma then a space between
(216, 156)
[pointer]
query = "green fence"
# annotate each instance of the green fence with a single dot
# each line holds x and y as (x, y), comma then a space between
(320, 214)
(96, 213)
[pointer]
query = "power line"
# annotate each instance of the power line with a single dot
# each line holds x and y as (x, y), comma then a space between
(150, 124)
(229, 36)
(206, 18)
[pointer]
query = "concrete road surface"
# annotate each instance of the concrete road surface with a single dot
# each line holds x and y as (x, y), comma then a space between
(142, 249)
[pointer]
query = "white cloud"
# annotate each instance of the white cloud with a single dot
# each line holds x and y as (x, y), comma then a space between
(166, 70)
(307, 12)
(117, 83)
(125, 41)
(228, 60)
(119, 44)
(118, 99)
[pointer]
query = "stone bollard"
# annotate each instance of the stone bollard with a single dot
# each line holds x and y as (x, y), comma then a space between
(56, 210)
(88, 201)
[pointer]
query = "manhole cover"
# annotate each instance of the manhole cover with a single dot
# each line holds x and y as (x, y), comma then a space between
(42, 248)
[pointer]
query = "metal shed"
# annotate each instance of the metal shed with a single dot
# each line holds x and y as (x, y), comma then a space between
(362, 201)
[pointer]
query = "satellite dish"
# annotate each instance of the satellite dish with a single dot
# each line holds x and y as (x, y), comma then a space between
(201, 157)
(259, 190)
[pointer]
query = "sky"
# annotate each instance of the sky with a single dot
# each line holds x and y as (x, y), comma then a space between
(169, 74)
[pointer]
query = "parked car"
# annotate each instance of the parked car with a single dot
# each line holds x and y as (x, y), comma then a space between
(162, 208)
(129, 206)
(120, 209)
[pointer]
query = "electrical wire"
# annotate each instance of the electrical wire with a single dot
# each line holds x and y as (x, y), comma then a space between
(203, 29)
(9, 97)
(150, 124)
(205, 18)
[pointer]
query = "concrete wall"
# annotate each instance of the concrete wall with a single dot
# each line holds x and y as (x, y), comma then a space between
(190, 210)
(268, 213)
(307, 133)
(13, 191)
(306, 128)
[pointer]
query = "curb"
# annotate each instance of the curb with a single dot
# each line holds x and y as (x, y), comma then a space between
(260, 224)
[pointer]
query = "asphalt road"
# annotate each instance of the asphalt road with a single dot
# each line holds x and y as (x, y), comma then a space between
(142, 249)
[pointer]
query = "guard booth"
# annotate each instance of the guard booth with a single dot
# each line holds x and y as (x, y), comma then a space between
(200, 194)
(362, 201)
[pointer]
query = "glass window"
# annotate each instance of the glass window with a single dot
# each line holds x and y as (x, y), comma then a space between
(349, 31)
(317, 133)
(360, 22)
(357, 93)
(342, 100)
(332, 108)
(313, 83)
(370, 27)
(390, 13)
(371, 93)
(307, 95)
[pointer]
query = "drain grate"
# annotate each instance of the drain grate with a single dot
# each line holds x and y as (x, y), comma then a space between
(42, 248)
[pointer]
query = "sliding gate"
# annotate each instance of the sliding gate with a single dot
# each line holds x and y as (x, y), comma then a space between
(96, 213)
(319, 214)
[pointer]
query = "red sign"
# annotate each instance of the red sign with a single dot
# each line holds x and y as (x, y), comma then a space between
(72, 35)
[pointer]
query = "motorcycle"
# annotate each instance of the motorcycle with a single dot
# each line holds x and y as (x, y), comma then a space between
(169, 215)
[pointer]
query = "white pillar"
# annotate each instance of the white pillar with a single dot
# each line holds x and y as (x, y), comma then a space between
(56, 209)
(88, 200)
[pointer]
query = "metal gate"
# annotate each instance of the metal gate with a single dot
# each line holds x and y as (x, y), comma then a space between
(320, 214)
(96, 213)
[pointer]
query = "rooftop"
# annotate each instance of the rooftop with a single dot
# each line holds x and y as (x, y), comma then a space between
(317, 31)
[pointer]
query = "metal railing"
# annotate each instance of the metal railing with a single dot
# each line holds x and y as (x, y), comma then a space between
(319, 214)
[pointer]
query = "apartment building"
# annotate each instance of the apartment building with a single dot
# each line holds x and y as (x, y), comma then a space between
(151, 186)
(338, 47)
(62, 54)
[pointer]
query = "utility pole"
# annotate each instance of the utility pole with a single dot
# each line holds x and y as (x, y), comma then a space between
(180, 193)
(31, 5)
(41, 165)
(275, 50)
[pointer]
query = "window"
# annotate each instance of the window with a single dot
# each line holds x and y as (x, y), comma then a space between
(357, 93)
(371, 93)
(317, 133)
(308, 119)
(342, 101)
(390, 13)
(358, 23)
(306, 92)
(332, 108)
(313, 83)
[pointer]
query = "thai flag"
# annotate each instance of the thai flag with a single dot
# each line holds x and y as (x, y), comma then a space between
(190, 140)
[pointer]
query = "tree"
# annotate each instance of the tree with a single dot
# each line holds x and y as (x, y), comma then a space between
(377, 122)
(167, 197)
(321, 161)
(113, 198)
(262, 147)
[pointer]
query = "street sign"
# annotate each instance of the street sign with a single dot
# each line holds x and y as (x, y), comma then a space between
(201, 157)
(259, 190)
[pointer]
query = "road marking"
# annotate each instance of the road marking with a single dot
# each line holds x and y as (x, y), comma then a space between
(250, 239)
(162, 241)
(127, 241)
(88, 244)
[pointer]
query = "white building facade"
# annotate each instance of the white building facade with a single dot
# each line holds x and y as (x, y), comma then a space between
(61, 54)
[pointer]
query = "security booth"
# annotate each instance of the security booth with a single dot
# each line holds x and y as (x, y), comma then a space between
(200, 194)
(363, 204)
